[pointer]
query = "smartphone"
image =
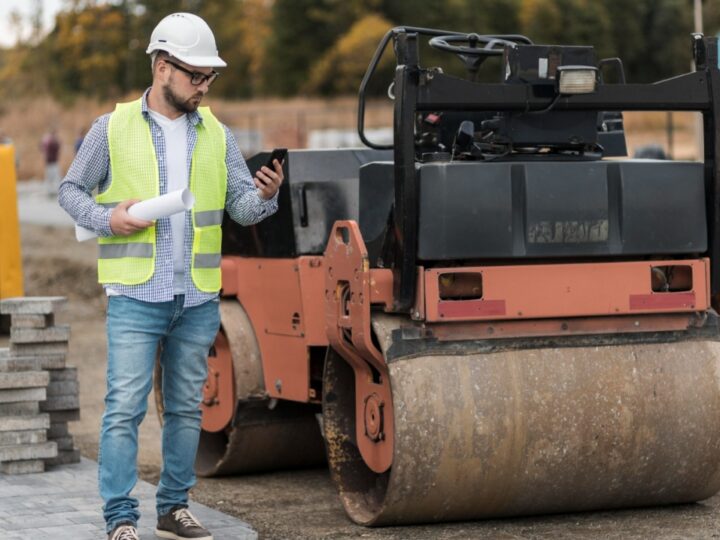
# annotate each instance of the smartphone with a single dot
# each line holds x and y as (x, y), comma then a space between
(279, 154)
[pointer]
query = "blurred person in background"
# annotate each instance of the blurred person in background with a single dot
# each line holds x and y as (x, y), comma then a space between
(50, 147)
(162, 278)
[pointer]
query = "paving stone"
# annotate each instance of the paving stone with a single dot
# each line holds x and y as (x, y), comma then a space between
(32, 321)
(84, 531)
(64, 416)
(24, 379)
(68, 373)
(34, 305)
(35, 362)
(30, 436)
(63, 443)
(63, 504)
(60, 403)
(52, 334)
(21, 423)
(64, 457)
(25, 466)
(58, 429)
(28, 451)
(39, 349)
(22, 394)
(24, 363)
(19, 407)
(62, 388)
(19, 523)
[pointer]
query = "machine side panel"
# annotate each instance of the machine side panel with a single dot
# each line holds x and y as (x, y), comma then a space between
(269, 290)
(567, 290)
(312, 289)
(663, 206)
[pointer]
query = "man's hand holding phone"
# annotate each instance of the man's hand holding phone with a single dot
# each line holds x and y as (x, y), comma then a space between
(269, 177)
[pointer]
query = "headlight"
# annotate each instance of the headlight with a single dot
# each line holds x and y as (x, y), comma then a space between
(576, 79)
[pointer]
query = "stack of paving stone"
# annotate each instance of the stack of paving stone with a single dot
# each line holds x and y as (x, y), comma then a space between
(49, 399)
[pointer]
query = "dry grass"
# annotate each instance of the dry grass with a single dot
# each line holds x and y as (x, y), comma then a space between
(282, 122)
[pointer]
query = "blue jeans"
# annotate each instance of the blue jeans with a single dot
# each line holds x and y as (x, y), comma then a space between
(134, 331)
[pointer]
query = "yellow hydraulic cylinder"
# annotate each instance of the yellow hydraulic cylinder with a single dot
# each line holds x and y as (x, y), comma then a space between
(11, 276)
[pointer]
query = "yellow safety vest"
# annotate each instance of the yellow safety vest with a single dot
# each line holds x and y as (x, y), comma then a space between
(130, 260)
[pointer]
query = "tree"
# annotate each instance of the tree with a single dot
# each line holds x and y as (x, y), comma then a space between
(342, 67)
(302, 30)
(241, 29)
(88, 51)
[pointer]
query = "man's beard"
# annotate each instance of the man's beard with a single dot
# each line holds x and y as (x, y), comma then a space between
(178, 104)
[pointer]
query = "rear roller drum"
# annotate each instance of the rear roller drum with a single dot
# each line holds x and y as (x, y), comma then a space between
(532, 432)
(242, 430)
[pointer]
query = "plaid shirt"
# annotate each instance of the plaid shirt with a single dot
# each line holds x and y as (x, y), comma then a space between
(91, 169)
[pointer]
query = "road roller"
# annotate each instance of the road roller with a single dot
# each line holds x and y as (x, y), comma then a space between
(497, 314)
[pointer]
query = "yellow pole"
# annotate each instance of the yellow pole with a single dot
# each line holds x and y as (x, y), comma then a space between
(11, 276)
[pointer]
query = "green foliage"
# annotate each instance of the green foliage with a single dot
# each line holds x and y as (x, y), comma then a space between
(302, 30)
(285, 47)
(343, 66)
(87, 52)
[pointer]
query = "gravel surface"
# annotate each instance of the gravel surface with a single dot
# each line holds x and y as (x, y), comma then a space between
(300, 504)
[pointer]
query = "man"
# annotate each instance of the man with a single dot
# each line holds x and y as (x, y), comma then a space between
(162, 278)
(50, 147)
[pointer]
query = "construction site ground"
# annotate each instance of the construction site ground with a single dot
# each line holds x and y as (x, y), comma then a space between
(296, 504)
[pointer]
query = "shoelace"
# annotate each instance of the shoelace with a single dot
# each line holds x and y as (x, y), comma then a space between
(185, 518)
(126, 532)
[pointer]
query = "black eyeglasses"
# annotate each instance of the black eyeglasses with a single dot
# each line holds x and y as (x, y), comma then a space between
(196, 78)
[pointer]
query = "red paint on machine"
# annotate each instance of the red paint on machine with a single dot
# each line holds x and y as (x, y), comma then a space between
(662, 300)
(449, 309)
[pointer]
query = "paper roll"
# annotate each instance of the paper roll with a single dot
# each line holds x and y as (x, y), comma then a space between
(150, 210)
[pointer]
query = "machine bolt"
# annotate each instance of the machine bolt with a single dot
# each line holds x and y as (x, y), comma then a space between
(278, 386)
(374, 418)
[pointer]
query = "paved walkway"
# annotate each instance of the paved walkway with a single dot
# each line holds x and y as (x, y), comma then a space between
(63, 504)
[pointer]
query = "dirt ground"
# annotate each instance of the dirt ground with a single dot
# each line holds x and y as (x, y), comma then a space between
(300, 504)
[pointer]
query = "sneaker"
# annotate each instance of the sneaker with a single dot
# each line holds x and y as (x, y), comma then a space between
(124, 531)
(180, 524)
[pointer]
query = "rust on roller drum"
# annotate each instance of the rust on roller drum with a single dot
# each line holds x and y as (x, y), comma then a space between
(533, 431)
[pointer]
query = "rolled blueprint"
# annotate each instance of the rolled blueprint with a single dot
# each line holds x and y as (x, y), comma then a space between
(150, 210)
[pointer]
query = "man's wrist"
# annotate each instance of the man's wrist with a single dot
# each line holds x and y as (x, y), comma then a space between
(101, 221)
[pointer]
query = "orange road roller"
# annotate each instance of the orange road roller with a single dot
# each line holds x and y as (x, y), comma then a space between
(497, 314)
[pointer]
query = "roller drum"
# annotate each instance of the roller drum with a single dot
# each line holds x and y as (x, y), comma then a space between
(263, 434)
(534, 432)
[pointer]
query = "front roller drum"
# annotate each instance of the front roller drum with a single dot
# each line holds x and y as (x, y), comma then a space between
(533, 432)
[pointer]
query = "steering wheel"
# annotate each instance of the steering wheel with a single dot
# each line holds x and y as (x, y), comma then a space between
(492, 45)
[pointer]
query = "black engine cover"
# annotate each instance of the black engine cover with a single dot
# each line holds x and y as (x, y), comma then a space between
(552, 209)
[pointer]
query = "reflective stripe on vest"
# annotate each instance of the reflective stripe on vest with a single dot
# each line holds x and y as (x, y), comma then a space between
(118, 251)
(205, 260)
(130, 260)
(210, 217)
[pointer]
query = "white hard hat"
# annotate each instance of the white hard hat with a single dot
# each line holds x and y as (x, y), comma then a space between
(188, 38)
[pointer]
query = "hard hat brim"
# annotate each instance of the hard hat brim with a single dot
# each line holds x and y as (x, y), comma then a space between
(195, 61)
(201, 61)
